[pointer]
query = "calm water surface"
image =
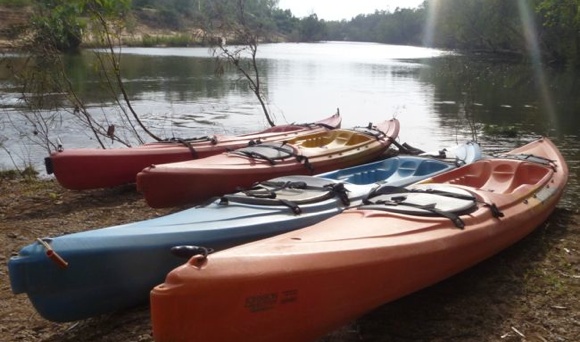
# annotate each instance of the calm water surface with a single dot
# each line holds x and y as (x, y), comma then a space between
(176, 92)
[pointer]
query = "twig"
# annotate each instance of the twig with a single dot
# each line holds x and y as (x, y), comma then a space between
(518, 332)
(74, 325)
(569, 275)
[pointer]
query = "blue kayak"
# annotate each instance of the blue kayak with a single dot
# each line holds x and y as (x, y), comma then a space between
(80, 275)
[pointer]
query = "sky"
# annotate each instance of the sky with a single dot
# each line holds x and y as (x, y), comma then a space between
(343, 9)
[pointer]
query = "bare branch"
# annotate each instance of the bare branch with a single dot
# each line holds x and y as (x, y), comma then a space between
(243, 27)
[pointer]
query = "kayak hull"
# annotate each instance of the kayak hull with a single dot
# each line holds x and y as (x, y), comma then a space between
(194, 181)
(105, 267)
(301, 285)
(91, 168)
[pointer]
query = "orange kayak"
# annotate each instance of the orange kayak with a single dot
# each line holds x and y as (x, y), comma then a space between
(193, 181)
(301, 285)
(91, 168)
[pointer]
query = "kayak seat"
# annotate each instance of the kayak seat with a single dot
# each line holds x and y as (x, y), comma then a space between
(427, 167)
(369, 176)
(509, 175)
(356, 139)
(500, 178)
(342, 138)
(417, 168)
(333, 139)
(318, 140)
(394, 169)
(349, 138)
(474, 175)
(407, 168)
(528, 174)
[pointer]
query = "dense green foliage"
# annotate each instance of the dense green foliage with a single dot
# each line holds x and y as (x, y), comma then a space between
(60, 23)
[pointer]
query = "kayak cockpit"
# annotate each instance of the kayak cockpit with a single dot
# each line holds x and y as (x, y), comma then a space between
(498, 175)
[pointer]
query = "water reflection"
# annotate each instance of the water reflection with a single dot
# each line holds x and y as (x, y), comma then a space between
(502, 93)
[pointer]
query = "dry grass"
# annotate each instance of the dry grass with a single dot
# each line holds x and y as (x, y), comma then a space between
(529, 292)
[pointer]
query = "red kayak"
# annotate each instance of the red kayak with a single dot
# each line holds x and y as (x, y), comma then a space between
(299, 286)
(91, 168)
(193, 181)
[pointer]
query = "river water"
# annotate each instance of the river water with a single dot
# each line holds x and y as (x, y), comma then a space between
(440, 98)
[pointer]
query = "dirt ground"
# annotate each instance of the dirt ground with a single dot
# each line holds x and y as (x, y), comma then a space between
(529, 292)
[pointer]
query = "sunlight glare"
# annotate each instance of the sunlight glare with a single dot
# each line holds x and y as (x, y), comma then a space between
(432, 8)
(533, 48)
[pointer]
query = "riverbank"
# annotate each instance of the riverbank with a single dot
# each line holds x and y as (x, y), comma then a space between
(12, 20)
(529, 292)
(144, 31)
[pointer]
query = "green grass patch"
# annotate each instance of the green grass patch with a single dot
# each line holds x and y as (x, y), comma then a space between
(28, 173)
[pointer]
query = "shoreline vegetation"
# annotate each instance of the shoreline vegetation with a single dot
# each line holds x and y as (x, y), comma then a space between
(141, 35)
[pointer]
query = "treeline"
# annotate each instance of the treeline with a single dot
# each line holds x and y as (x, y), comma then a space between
(378, 27)
(182, 14)
(548, 28)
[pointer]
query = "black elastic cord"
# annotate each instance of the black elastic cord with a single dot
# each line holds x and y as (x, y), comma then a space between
(262, 196)
(339, 190)
(191, 149)
(255, 155)
(532, 158)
